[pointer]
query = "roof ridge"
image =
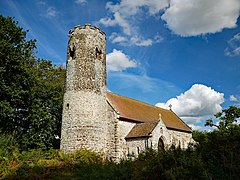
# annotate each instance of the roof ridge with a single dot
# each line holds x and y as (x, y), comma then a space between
(149, 122)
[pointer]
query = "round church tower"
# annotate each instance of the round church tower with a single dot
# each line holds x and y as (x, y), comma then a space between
(84, 107)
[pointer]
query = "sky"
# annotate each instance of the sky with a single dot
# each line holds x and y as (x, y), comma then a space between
(180, 52)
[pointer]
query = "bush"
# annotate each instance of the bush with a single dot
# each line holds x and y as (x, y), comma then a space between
(9, 152)
(220, 152)
(215, 156)
(174, 163)
(8, 146)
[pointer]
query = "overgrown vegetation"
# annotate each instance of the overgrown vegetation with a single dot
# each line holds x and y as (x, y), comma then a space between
(215, 156)
(31, 92)
(54, 164)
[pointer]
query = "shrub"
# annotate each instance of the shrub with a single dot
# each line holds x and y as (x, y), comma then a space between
(174, 163)
(9, 152)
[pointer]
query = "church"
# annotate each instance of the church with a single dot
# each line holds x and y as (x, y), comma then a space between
(113, 125)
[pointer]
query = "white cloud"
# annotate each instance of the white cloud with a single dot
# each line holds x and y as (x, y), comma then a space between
(158, 38)
(80, 2)
(197, 17)
(47, 11)
(118, 20)
(197, 103)
(138, 41)
(185, 18)
(118, 61)
(202, 128)
(134, 40)
(41, 2)
(125, 10)
(115, 38)
(234, 46)
(233, 98)
(51, 12)
(196, 127)
(124, 15)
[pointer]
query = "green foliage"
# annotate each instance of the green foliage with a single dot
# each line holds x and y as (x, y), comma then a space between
(31, 90)
(215, 156)
(219, 149)
(45, 109)
(9, 146)
(200, 137)
(54, 164)
(16, 57)
(174, 163)
(9, 152)
(226, 118)
(220, 152)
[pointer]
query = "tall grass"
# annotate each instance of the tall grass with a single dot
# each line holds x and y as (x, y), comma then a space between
(55, 164)
(196, 162)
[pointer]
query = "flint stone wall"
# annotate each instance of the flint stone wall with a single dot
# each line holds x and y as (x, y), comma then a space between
(169, 138)
(85, 123)
(88, 120)
(123, 128)
(181, 139)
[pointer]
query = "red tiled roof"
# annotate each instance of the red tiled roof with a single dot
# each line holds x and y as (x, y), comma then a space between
(134, 110)
(142, 129)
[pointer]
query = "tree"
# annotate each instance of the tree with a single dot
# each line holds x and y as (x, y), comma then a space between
(16, 57)
(45, 107)
(220, 148)
(31, 90)
(226, 118)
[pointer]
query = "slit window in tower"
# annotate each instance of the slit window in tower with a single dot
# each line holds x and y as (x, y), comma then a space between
(72, 51)
(98, 54)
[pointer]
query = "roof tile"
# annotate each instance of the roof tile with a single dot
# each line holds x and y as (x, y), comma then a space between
(142, 130)
(141, 112)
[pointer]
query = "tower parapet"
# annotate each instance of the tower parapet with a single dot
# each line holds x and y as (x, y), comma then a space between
(87, 26)
(86, 59)
(84, 119)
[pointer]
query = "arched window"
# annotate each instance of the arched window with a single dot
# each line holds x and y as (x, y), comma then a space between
(160, 144)
(179, 143)
(146, 143)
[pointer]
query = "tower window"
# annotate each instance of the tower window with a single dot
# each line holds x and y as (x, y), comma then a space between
(72, 51)
(98, 53)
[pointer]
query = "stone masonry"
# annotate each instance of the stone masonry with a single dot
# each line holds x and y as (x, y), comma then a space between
(103, 122)
(84, 121)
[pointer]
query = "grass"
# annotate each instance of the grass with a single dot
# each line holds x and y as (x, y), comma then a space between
(54, 164)
(196, 162)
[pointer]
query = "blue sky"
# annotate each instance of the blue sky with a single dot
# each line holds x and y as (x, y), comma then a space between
(184, 53)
